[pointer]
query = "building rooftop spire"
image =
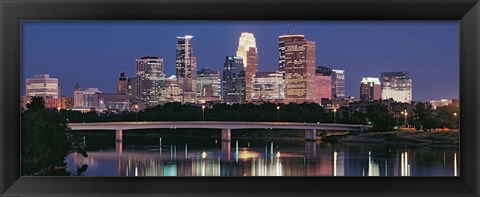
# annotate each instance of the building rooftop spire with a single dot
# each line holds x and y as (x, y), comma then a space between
(77, 86)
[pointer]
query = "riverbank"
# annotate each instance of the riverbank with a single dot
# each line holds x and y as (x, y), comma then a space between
(412, 138)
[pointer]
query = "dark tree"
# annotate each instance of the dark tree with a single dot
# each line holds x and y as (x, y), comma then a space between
(45, 142)
(424, 119)
(380, 117)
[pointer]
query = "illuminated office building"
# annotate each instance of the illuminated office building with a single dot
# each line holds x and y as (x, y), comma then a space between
(397, 86)
(42, 85)
(323, 84)
(149, 79)
(338, 84)
(86, 98)
(297, 61)
(171, 91)
(440, 103)
(208, 83)
(186, 68)
(370, 89)
(268, 86)
(247, 50)
(233, 88)
(114, 102)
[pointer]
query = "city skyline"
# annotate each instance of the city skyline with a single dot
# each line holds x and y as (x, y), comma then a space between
(443, 53)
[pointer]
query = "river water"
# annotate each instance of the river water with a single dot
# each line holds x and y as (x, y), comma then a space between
(209, 156)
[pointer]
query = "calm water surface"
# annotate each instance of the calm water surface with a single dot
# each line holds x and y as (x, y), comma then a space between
(203, 156)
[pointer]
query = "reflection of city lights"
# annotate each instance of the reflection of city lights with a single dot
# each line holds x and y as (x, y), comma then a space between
(278, 154)
(245, 154)
(405, 166)
(454, 164)
(335, 163)
(204, 155)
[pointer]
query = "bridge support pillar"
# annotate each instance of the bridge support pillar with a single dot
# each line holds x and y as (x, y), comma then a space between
(311, 135)
(226, 135)
(118, 135)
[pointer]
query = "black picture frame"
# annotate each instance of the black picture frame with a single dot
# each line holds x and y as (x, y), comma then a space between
(12, 12)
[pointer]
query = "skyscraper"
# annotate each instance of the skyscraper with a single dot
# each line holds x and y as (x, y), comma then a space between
(186, 68)
(323, 84)
(338, 84)
(233, 88)
(370, 89)
(281, 48)
(247, 50)
(42, 85)
(149, 80)
(397, 86)
(122, 85)
(268, 86)
(210, 79)
(297, 61)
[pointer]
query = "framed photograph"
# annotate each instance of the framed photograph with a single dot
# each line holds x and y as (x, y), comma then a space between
(245, 98)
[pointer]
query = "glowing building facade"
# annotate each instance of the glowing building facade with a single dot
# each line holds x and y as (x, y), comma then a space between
(247, 50)
(338, 84)
(171, 91)
(440, 103)
(233, 80)
(297, 61)
(86, 98)
(323, 84)
(42, 85)
(149, 80)
(268, 86)
(397, 86)
(208, 83)
(186, 68)
(370, 89)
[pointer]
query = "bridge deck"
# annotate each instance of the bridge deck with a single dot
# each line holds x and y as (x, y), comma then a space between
(214, 125)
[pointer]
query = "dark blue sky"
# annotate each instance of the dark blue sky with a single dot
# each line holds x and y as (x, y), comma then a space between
(99, 51)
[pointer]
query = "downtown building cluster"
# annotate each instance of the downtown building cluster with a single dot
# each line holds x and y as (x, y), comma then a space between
(297, 80)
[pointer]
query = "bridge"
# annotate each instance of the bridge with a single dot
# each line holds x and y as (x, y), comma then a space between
(225, 127)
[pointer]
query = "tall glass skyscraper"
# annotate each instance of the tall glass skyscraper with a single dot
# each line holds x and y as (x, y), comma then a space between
(208, 79)
(397, 86)
(233, 88)
(247, 50)
(338, 84)
(149, 80)
(186, 68)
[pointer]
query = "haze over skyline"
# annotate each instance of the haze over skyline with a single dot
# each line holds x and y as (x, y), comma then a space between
(99, 51)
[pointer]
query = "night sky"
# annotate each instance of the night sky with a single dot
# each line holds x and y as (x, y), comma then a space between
(98, 51)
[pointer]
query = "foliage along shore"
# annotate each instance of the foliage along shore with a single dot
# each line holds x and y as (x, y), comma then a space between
(410, 138)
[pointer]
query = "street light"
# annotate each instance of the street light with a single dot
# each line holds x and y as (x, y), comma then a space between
(203, 112)
(456, 119)
(136, 114)
(278, 114)
(334, 115)
(406, 115)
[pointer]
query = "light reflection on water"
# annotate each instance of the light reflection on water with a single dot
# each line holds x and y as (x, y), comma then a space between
(268, 159)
